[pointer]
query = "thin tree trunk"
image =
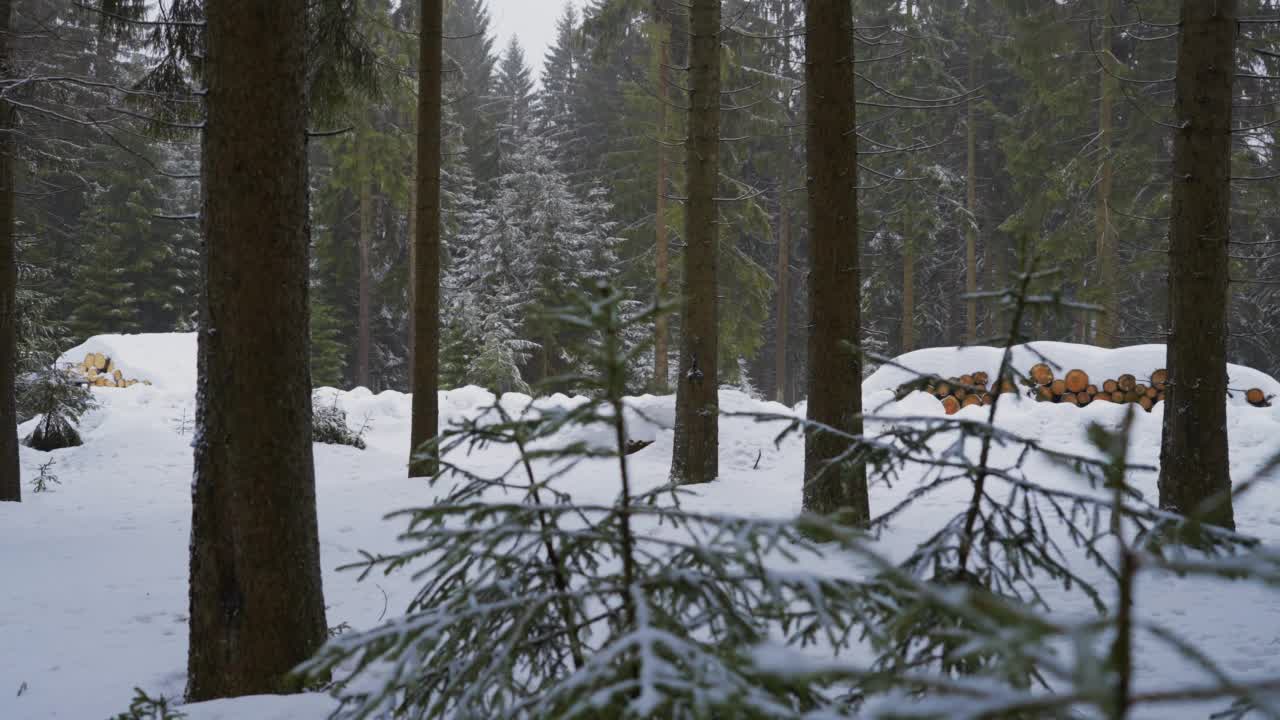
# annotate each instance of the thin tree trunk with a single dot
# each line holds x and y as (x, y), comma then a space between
(1106, 322)
(971, 196)
(256, 604)
(908, 295)
(835, 361)
(426, 321)
(413, 268)
(1193, 450)
(783, 328)
(696, 455)
(661, 324)
(10, 472)
(366, 235)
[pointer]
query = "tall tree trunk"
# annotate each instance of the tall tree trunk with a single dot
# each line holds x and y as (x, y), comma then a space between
(413, 268)
(835, 360)
(366, 235)
(661, 324)
(1193, 448)
(697, 445)
(257, 609)
(971, 194)
(1106, 323)
(908, 295)
(783, 326)
(10, 473)
(426, 319)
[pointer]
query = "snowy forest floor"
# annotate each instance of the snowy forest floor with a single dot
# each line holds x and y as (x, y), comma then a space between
(94, 597)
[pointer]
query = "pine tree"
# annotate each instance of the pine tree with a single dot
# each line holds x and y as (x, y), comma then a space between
(328, 354)
(10, 475)
(695, 458)
(559, 85)
(1194, 468)
(512, 105)
(834, 482)
(513, 262)
(257, 608)
(427, 241)
(471, 70)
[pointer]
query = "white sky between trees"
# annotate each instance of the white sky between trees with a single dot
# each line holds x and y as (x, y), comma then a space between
(532, 21)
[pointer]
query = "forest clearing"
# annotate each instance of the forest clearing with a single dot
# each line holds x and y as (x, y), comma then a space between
(639, 359)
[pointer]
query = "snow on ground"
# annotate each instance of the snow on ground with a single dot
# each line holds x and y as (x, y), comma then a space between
(93, 601)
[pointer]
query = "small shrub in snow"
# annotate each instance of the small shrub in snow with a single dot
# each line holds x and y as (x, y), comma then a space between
(45, 480)
(145, 707)
(329, 425)
(54, 395)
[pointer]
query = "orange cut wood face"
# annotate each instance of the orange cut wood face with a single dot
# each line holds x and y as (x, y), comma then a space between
(1042, 374)
(1077, 381)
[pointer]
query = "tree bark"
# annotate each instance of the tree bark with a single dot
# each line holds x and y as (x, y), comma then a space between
(412, 225)
(696, 455)
(426, 298)
(10, 472)
(908, 295)
(1193, 449)
(1108, 261)
(256, 604)
(971, 195)
(366, 234)
(835, 361)
(661, 324)
(783, 326)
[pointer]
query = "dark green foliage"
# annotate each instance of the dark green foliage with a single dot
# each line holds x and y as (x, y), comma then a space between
(145, 707)
(56, 396)
(329, 425)
(328, 352)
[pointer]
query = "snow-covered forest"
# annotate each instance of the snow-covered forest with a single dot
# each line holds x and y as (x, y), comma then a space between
(736, 358)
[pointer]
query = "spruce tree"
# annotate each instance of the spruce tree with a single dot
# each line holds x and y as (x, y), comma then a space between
(257, 608)
(426, 242)
(10, 475)
(471, 69)
(834, 481)
(1194, 468)
(695, 458)
(512, 105)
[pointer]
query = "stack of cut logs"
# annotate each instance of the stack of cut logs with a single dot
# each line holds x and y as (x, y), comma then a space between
(1074, 388)
(98, 369)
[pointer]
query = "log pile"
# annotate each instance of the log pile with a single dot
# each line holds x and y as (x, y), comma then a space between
(99, 370)
(1073, 388)
(1076, 388)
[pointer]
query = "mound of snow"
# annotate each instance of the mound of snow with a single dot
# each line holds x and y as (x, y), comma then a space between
(1099, 363)
(168, 360)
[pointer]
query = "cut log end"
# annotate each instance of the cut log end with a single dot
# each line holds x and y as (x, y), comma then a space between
(1159, 378)
(1076, 381)
(1042, 374)
(951, 404)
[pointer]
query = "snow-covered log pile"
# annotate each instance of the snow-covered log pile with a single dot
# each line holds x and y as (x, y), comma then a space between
(1060, 373)
(100, 370)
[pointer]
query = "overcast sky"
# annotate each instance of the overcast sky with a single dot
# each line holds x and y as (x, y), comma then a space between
(533, 21)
